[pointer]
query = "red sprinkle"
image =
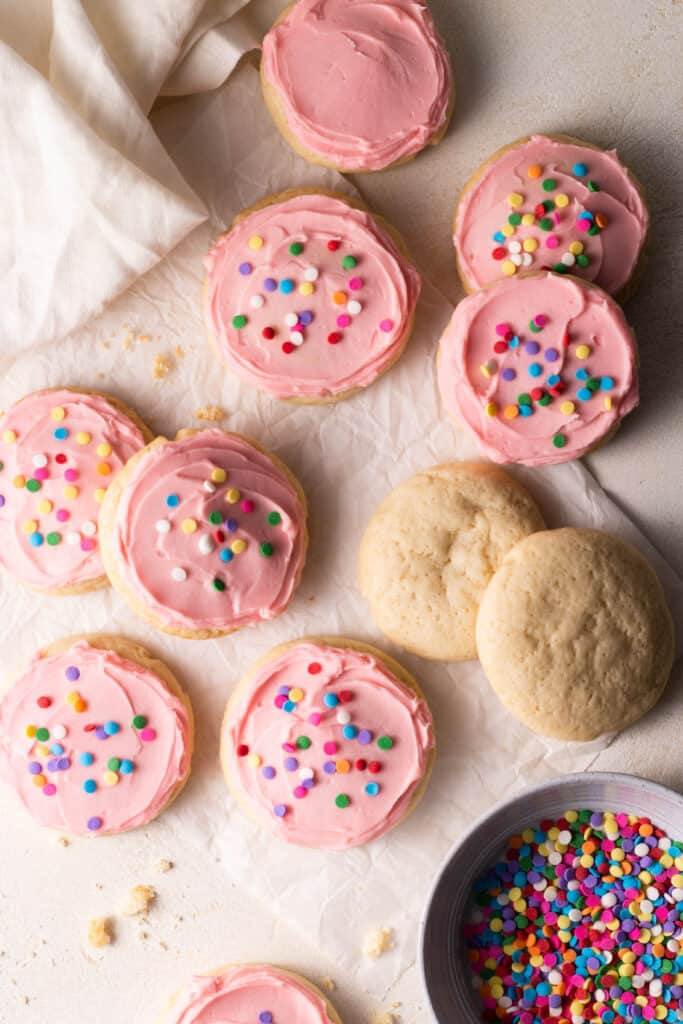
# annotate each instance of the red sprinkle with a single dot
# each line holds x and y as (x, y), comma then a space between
(361, 765)
(334, 338)
(537, 393)
(288, 347)
(500, 347)
(498, 253)
(219, 536)
(374, 767)
(268, 333)
(242, 750)
(90, 727)
(565, 340)
(60, 458)
(345, 696)
(44, 702)
(539, 210)
(333, 245)
(314, 668)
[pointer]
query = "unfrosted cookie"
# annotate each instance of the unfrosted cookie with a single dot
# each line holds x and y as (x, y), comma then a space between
(59, 451)
(205, 534)
(327, 742)
(539, 369)
(431, 548)
(551, 202)
(574, 633)
(96, 736)
(309, 297)
(357, 86)
(250, 994)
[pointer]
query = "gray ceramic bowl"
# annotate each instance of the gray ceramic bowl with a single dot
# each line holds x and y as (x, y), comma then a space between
(445, 971)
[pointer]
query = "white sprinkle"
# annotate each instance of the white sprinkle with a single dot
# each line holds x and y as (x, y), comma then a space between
(551, 894)
(89, 528)
(162, 525)
(505, 1001)
(569, 259)
(527, 260)
(503, 899)
(311, 274)
(638, 981)
(73, 538)
(575, 914)
(205, 544)
(554, 858)
(59, 732)
(655, 987)
(353, 307)
(514, 246)
(641, 849)
(664, 843)
(677, 895)
(516, 259)
(296, 338)
(178, 574)
(305, 773)
(554, 977)
(565, 837)
(608, 900)
(573, 886)
(343, 717)
(256, 301)
(39, 461)
(291, 319)
(208, 486)
(651, 892)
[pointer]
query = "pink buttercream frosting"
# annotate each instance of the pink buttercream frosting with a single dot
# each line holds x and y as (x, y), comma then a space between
(363, 83)
(210, 533)
(85, 700)
(59, 450)
(591, 203)
(344, 319)
(246, 995)
(319, 726)
(552, 345)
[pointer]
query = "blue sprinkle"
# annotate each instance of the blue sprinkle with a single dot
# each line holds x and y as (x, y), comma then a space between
(126, 767)
(61, 433)
(85, 759)
(514, 342)
(525, 410)
(582, 374)
(580, 169)
(111, 728)
(350, 732)
(172, 500)
(330, 700)
(606, 383)
(587, 215)
(89, 785)
(499, 236)
(289, 706)
(535, 370)
(57, 749)
(584, 395)
(286, 286)
(553, 379)
(226, 555)
(36, 539)
(372, 788)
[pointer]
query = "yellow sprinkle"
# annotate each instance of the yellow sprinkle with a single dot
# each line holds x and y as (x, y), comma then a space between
(110, 778)
(44, 506)
(30, 731)
(496, 925)
(58, 413)
(29, 526)
(307, 288)
(83, 437)
(563, 921)
(576, 248)
(528, 218)
(42, 750)
(567, 408)
(39, 780)
(491, 409)
(586, 861)
(528, 836)
(99, 494)
(296, 694)
(582, 351)
(254, 760)
(9, 437)
(561, 200)
(618, 854)
(72, 697)
(530, 245)
(571, 816)
(485, 370)
(255, 242)
(103, 468)
(677, 881)
(188, 525)
(104, 449)
(510, 412)
(218, 475)
(509, 268)
(343, 766)
(232, 496)
(238, 546)
(339, 298)
(514, 893)
(507, 230)
(70, 491)
(19, 481)
(534, 171)
(515, 199)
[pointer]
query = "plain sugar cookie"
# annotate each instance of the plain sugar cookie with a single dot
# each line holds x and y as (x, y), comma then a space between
(431, 548)
(574, 633)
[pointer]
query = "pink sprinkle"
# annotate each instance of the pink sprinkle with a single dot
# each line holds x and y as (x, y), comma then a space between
(386, 325)
(501, 329)
(557, 217)
(63, 514)
(40, 473)
(330, 748)
(552, 242)
(147, 735)
(583, 224)
(280, 700)
(541, 320)
(344, 320)
(300, 792)
(289, 747)
(87, 544)
(247, 505)
(49, 789)
(355, 283)
(314, 718)
(71, 475)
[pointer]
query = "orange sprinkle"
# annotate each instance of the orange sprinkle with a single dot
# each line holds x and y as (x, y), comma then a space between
(510, 412)
(645, 829)
(601, 220)
(80, 705)
(516, 843)
(103, 468)
(534, 171)
(339, 298)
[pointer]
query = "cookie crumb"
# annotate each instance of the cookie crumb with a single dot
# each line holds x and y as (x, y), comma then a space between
(140, 899)
(163, 866)
(212, 413)
(179, 352)
(329, 985)
(105, 344)
(378, 942)
(162, 366)
(144, 338)
(63, 841)
(128, 342)
(384, 1017)
(24, 1000)
(99, 932)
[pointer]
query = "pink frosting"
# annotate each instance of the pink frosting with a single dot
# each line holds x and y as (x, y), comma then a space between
(51, 484)
(188, 508)
(241, 994)
(609, 254)
(49, 772)
(313, 693)
(346, 317)
(363, 83)
(576, 372)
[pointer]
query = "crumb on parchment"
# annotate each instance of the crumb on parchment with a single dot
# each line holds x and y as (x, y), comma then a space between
(63, 841)
(329, 985)
(163, 865)
(212, 413)
(384, 1017)
(378, 942)
(140, 899)
(100, 932)
(163, 365)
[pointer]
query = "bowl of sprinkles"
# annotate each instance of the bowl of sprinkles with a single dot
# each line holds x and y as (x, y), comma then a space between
(564, 904)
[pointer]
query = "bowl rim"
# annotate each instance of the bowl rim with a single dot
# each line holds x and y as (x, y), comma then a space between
(529, 791)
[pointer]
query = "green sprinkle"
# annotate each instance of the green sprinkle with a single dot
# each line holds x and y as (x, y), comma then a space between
(385, 743)
(303, 742)
(545, 224)
(266, 549)
(113, 764)
(239, 321)
(515, 219)
(559, 440)
(296, 248)
(349, 262)
(342, 800)
(53, 539)
(549, 184)
(524, 399)
(592, 383)
(274, 518)
(593, 186)
(42, 734)
(548, 205)
(33, 485)
(215, 518)
(2, 466)
(140, 721)
(218, 584)
(593, 229)
(582, 260)
(560, 268)
(545, 400)
(534, 327)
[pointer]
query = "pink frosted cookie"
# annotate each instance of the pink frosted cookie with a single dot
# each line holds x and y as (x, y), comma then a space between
(308, 297)
(59, 451)
(551, 203)
(95, 736)
(539, 369)
(205, 534)
(357, 86)
(328, 742)
(250, 994)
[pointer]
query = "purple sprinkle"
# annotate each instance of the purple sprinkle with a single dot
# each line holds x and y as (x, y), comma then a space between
(283, 691)
(552, 355)
(72, 673)
(245, 269)
(269, 284)
(329, 767)
(364, 737)
(268, 772)
(265, 1017)
(306, 317)
(64, 764)
(95, 823)
(308, 783)
(232, 525)
(2, 500)
(532, 348)
(100, 733)
(280, 810)
(35, 768)
(53, 765)
(508, 374)
(291, 764)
